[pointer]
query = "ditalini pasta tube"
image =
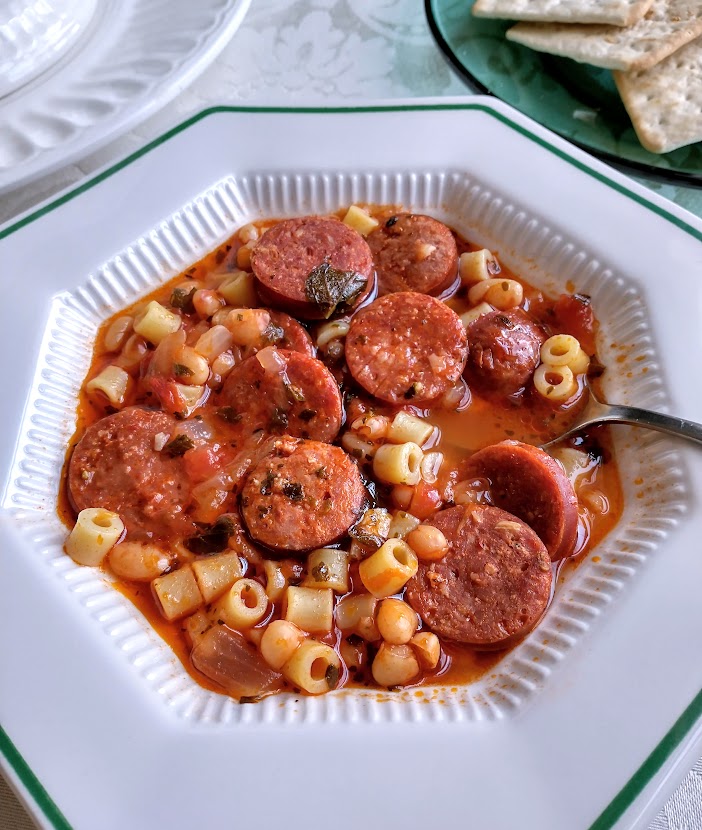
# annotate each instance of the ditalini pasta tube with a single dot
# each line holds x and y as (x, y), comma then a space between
(96, 531)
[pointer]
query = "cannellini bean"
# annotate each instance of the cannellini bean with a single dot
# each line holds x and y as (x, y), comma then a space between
(207, 302)
(243, 256)
(428, 542)
(427, 648)
(279, 642)
(191, 368)
(139, 561)
(117, 333)
(213, 342)
(247, 325)
(249, 233)
(373, 427)
(394, 665)
(396, 621)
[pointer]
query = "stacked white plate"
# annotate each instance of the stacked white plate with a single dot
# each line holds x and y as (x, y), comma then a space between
(75, 74)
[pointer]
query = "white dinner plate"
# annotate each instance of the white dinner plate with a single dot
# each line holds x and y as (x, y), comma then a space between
(586, 725)
(118, 63)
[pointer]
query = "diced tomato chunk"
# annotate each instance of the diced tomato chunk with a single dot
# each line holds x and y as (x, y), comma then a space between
(574, 316)
(205, 461)
(425, 501)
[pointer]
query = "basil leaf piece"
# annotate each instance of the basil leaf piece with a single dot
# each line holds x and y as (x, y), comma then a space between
(214, 539)
(178, 446)
(330, 289)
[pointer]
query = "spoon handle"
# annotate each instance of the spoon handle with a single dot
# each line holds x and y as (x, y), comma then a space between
(653, 420)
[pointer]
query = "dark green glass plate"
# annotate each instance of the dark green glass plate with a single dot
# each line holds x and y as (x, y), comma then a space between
(576, 101)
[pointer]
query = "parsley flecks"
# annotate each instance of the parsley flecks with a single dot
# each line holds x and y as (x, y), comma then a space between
(267, 483)
(321, 572)
(294, 393)
(178, 446)
(183, 299)
(182, 371)
(331, 290)
(213, 539)
(279, 418)
(331, 675)
(293, 490)
(229, 414)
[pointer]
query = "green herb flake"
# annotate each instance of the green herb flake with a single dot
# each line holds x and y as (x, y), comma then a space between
(279, 418)
(181, 371)
(307, 414)
(321, 472)
(321, 572)
(391, 221)
(267, 484)
(182, 299)
(331, 290)
(213, 539)
(295, 393)
(331, 675)
(229, 414)
(178, 446)
(293, 490)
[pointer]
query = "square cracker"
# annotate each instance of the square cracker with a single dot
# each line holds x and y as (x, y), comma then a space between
(666, 27)
(612, 12)
(665, 101)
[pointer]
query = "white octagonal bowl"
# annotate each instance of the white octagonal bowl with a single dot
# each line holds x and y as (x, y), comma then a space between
(583, 725)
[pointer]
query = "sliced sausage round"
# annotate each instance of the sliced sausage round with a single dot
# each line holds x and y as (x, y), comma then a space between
(288, 252)
(492, 586)
(412, 252)
(295, 337)
(303, 495)
(503, 351)
(282, 392)
(284, 332)
(115, 466)
(526, 481)
(406, 348)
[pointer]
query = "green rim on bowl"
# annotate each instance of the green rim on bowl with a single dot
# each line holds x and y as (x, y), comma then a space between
(577, 101)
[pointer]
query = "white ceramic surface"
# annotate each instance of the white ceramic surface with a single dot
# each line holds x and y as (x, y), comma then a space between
(88, 87)
(35, 34)
(570, 715)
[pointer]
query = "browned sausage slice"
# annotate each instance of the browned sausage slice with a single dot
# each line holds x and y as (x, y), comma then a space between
(406, 348)
(526, 481)
(503, 351)
(288, 252)
(492, 586)
(281, 391)
(412, 252)
(294, 337)
(115, 466)
(303, 495)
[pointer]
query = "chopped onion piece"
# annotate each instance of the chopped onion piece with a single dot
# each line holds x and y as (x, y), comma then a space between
(271, 360)
(224, 656)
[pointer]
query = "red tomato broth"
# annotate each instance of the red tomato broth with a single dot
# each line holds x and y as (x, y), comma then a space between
(480, 421)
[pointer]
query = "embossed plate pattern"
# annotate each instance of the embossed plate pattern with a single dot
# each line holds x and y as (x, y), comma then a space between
(133, 58)
(583, 678)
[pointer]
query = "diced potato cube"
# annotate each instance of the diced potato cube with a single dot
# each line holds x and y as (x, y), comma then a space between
(217, 573)
(177, 593)
(360, 221)
(156, 323)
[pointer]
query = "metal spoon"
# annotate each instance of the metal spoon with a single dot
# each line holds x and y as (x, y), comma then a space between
(597, 412)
